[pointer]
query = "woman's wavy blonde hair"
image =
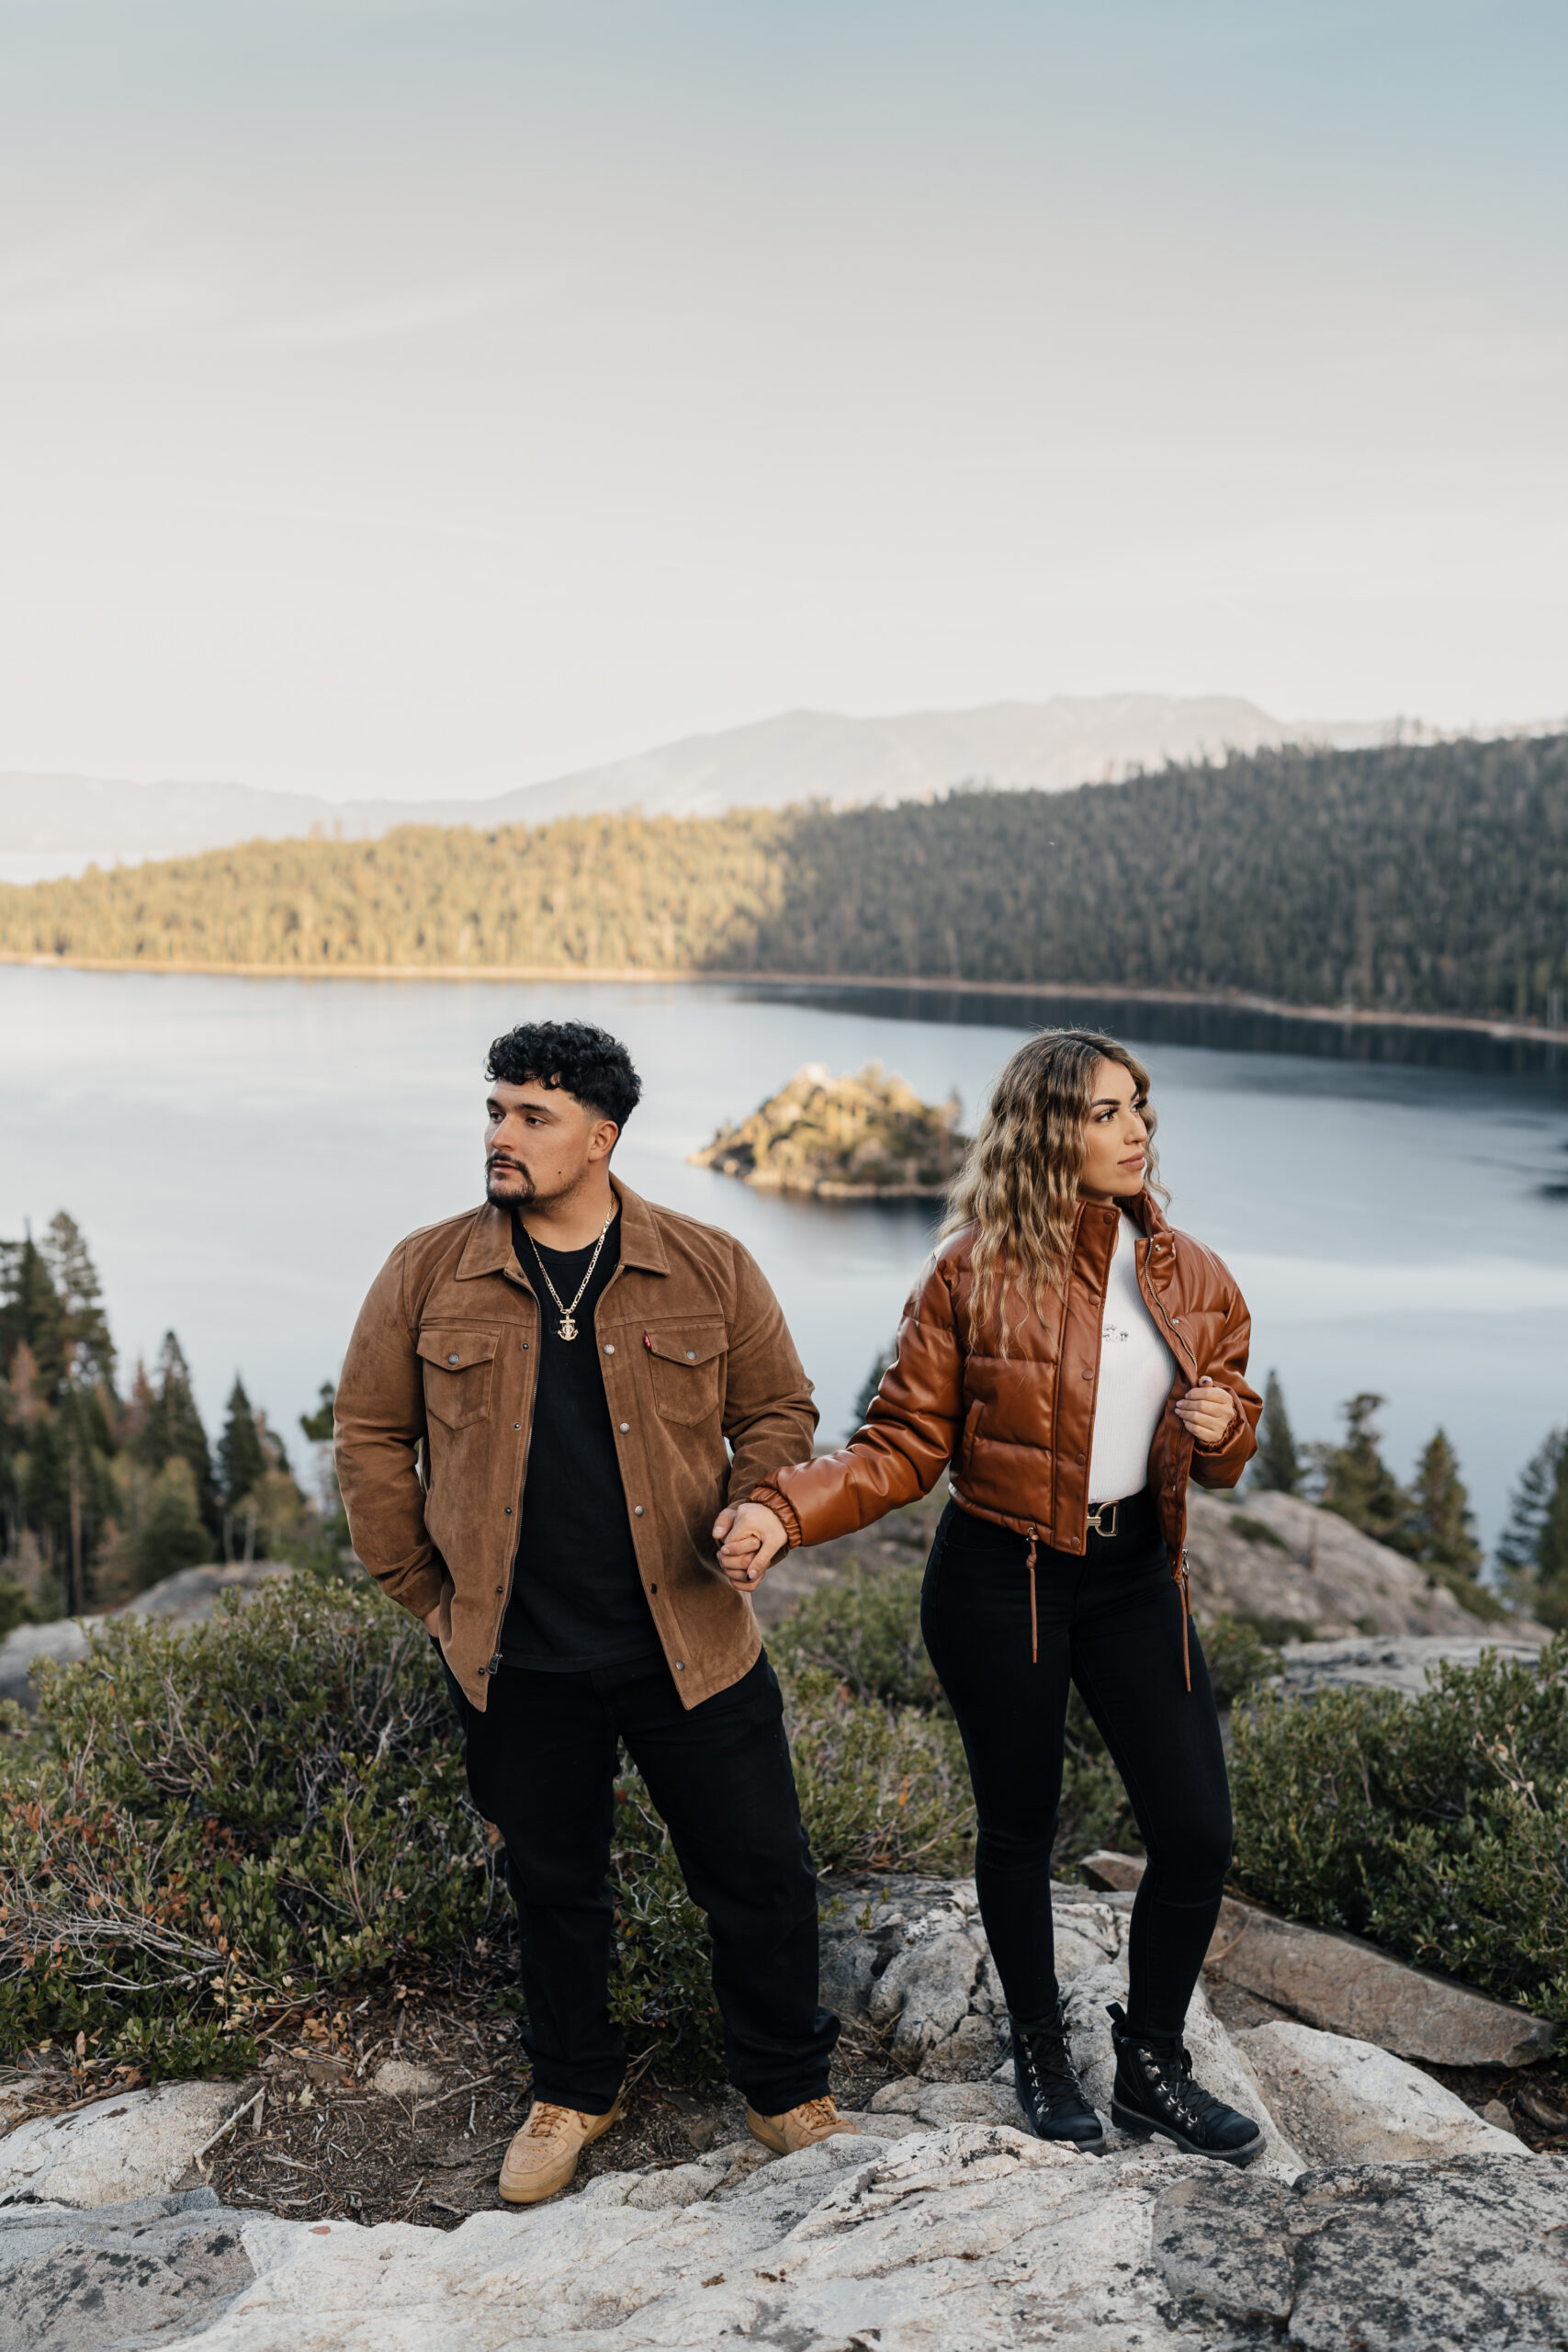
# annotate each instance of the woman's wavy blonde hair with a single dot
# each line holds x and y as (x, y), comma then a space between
(1019, 1184)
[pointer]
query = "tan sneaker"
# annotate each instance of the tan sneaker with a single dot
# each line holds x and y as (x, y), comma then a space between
(542, 2156)
(801, 2127)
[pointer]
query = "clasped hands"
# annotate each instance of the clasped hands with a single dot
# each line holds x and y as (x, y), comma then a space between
(749, 1538)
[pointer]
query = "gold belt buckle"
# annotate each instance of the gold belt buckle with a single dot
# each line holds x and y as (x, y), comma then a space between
(1097, 1522)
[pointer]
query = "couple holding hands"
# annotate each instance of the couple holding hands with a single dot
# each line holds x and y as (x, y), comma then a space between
(547, 1401)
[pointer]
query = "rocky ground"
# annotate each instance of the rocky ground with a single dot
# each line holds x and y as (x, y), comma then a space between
(1386, 2211)
(1415, 2190)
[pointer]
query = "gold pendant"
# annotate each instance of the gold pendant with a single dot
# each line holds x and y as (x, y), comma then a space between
(567, 1328)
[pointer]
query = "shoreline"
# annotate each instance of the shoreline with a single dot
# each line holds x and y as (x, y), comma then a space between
(1501, 1031)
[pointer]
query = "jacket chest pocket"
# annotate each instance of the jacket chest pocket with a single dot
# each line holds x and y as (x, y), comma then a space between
(459, 1367)
(686, 1365)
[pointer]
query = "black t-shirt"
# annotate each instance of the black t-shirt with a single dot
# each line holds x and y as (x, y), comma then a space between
(577, 1597)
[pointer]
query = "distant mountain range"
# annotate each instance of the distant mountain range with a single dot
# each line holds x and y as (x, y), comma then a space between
(801, 755)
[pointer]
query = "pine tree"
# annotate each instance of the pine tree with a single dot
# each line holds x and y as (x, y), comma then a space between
(30, 1312)
(140, 1404)
(1533, 1549)
(1442, 1528)
(1552, 1552)
(1441, 1522)
(318, 1426)
(240, 1458)
(1277, 1466)
(1358, 1483)
(173, 1536)
(172, 1429)
(84, 1327)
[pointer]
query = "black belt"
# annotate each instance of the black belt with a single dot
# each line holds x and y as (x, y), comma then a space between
(1129, 1515)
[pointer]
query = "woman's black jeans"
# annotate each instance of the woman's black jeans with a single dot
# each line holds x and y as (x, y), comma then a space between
(1111, 1622)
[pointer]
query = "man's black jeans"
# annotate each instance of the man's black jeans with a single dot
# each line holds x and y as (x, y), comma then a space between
(541, 1762)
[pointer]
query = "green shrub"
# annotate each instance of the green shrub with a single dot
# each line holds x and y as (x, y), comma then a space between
(1437, 1826)
(1258, 1530)
(1239, 1654)
(203, 1831)
(862, 1633)
(881, 1788)
(223, 1823)
(661, 1989)
(864, 1630)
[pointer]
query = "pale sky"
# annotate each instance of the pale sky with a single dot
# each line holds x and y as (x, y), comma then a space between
(437, 396)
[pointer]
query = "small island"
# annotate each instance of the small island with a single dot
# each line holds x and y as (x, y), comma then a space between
(865, 1138)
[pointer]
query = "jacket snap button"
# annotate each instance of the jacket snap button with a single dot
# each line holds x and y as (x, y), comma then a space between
(609, 1350)
(637, 1510)
(451, 1359)
(499, 1590)
(691, 1356)
(525, 1344)
(1089, 1375)
(680, 1666)
(625, 1427)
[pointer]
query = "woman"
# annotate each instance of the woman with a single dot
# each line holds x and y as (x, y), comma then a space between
(1070, 1361)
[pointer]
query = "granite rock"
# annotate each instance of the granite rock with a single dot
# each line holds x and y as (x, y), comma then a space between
(1348, 2102)
(187, 1598)
(1274, 1556)
(924, 1993)
(1343, 1984)
(136, 2145)
(972, 2238)
(145, 2272)
(1406, 1663)
(1451, 2256)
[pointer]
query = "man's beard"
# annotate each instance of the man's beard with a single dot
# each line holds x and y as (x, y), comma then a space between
(524, 1187)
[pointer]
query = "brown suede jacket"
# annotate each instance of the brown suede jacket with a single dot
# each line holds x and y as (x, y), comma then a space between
(436, 1408)
(1013, 1431)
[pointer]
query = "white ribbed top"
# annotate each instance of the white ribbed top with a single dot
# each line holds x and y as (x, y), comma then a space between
(1135, 1372)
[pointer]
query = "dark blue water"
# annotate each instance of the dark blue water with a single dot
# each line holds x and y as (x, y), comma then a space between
(242, 1154)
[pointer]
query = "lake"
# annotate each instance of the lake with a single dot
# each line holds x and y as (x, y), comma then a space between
(242, 1154)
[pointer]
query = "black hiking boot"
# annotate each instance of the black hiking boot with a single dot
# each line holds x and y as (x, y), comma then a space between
(1049, 2090)
(1155, 2092)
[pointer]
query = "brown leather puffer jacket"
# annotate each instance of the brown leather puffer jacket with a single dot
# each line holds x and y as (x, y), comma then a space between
(1013, 1432)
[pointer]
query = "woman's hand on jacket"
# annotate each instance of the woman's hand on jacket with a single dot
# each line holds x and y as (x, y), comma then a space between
(1207, 1413)
(749, 1537)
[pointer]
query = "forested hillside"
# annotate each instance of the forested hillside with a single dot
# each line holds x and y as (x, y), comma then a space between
(1417, 878)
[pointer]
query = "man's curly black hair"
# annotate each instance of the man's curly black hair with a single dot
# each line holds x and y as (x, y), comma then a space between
(585, 1062)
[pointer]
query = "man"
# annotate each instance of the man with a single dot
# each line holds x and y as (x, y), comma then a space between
(572, 1361)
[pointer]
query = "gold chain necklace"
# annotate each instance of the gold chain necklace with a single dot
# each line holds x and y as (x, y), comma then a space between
(567, 1328)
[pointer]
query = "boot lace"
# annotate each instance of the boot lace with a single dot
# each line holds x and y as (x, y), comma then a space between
(1049, 2070)
(817, 2111)
(1171, 2080)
